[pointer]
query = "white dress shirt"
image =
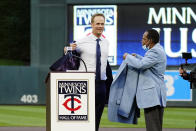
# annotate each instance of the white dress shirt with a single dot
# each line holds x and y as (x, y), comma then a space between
(87, 49)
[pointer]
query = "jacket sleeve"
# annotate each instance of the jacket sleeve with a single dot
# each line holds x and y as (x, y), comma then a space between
(139, 56)
(150, 59)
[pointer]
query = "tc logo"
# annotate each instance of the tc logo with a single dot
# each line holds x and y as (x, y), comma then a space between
(72, 99)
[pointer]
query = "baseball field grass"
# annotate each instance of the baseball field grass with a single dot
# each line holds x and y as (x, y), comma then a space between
(24, 116)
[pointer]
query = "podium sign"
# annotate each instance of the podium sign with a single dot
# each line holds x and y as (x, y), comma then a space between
(71, 103)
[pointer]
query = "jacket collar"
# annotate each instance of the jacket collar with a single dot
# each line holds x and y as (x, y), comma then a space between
(120, 69)
(157, 44)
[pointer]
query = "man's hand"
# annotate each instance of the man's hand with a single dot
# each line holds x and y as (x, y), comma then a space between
(182, 72)
(73, 45)
(125, 55)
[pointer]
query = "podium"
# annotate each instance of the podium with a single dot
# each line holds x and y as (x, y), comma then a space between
(70, 101)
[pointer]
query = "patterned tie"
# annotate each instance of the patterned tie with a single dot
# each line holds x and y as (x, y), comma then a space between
(98, 61)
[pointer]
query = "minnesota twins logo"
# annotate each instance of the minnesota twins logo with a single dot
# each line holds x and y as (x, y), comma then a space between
(73, 100)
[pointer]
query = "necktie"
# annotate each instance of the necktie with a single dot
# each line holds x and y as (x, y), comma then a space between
(98, 61)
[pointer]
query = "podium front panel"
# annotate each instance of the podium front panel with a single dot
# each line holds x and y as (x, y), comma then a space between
(72, 101)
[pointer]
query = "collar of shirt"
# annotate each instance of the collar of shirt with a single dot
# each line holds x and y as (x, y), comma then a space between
(91, 35)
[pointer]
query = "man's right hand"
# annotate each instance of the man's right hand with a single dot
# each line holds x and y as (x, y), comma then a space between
(73, 45)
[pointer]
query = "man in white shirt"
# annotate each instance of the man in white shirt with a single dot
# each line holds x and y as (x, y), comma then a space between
(94, 51)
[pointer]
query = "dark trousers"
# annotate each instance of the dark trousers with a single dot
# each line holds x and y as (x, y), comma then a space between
(154, 118)
(100, 98)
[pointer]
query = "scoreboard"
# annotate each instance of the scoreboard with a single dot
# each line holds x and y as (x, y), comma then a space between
(125, 25)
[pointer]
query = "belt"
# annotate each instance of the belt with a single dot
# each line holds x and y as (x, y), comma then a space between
(100, 81)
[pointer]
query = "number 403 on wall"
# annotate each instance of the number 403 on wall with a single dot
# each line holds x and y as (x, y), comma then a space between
(27, 98)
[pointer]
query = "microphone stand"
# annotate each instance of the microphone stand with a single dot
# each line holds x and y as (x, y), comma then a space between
(81, 60)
